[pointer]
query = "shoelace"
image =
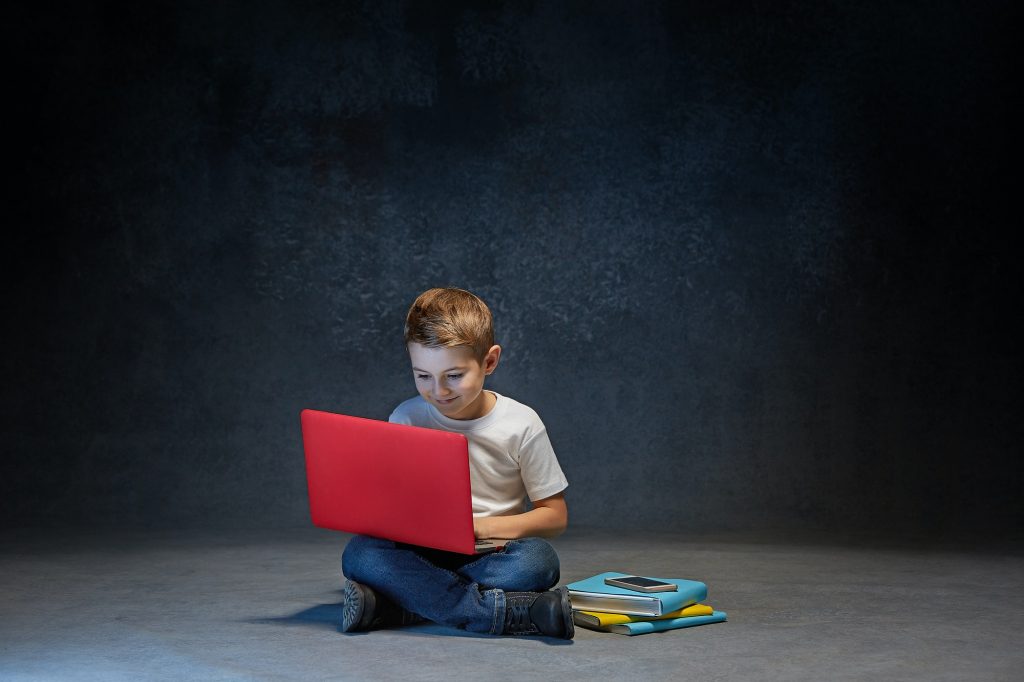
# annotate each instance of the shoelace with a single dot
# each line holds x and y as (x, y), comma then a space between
(517, 615)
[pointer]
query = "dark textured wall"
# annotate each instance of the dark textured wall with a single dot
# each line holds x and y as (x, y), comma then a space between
(748, 260)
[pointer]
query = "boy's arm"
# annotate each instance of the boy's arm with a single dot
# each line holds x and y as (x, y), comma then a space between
(548, 518)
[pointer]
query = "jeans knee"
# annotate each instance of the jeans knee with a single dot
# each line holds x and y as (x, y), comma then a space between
(361, 556)
(538, 564)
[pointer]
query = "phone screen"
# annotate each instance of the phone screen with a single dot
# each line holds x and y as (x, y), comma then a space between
(640, 582)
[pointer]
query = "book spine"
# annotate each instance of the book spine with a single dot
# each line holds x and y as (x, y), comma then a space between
(588, 602)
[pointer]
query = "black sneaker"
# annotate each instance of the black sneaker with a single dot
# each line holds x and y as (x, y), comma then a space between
(539, 613)
(366, 610)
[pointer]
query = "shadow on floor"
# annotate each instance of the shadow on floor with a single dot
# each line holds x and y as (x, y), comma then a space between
(326, 616)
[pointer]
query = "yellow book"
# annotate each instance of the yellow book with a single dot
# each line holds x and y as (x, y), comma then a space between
(598, 619)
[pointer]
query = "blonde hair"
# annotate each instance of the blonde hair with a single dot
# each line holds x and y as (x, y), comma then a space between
(444, 318)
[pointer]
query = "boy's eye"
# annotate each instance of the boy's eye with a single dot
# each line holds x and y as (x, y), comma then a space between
(423, 377)
(454, 377)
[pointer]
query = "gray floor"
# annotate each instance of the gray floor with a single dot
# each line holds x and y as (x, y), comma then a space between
(245, 605)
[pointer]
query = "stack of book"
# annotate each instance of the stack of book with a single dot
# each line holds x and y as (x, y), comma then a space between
(599, 606)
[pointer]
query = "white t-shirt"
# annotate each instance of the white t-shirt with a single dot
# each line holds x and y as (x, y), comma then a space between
(510, 456)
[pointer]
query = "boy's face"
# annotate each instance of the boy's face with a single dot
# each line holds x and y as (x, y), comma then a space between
(452, 380)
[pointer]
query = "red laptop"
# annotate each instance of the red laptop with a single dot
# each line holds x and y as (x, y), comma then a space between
(402, 483)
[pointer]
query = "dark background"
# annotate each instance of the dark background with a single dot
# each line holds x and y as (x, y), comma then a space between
(750, 261)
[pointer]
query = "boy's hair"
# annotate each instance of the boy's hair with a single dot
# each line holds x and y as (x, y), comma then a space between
(444, 318)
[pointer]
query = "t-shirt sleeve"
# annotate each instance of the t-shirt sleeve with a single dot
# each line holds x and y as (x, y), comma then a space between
(539, 468)
(400, 415)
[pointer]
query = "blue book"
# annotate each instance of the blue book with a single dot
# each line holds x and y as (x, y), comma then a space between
(645, 626)
(592, 594)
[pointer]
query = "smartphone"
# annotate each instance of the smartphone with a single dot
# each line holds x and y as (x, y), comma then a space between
(641, 584)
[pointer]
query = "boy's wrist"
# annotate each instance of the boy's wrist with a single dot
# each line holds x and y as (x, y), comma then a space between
(481, 527)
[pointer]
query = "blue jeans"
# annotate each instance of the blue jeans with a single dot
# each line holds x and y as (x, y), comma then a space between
(457, 590)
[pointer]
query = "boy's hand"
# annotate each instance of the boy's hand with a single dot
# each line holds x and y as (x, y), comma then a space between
(479, 528)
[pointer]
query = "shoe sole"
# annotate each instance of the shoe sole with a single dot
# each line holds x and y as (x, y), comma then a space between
(570, 628)
(352, 612)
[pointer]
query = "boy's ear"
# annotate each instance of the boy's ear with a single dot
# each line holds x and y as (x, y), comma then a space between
(491, 359)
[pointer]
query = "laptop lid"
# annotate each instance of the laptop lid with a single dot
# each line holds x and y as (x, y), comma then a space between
(403, 483)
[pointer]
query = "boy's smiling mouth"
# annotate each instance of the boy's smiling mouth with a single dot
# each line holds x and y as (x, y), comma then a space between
(446, 401)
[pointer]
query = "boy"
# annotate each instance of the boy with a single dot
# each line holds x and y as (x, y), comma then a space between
(450, 337)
